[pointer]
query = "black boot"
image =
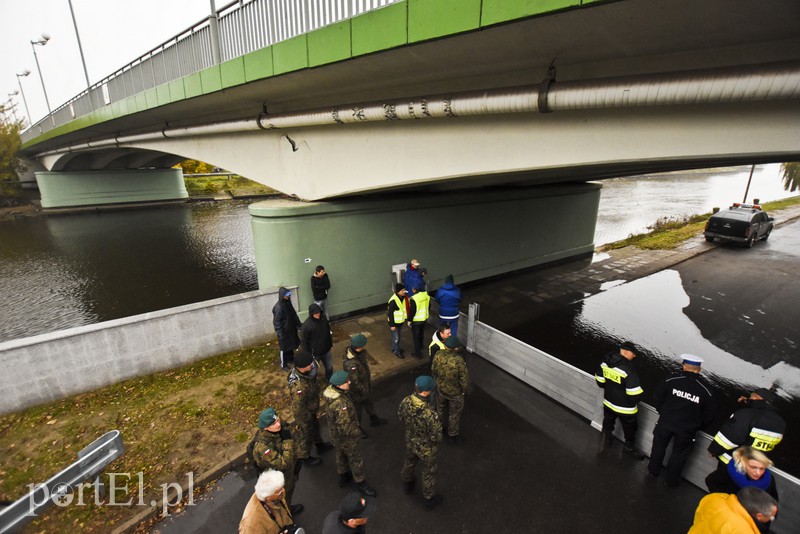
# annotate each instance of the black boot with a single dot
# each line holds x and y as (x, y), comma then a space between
(374, 420)
(408, 487)
(311, 461)
(296, 509)
(344, 478)
(323, 446)
(433, 502)
(632, 452)
(453, 440)
(364, 489)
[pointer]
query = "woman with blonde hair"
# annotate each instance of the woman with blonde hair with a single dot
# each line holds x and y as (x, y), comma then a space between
(749, 467)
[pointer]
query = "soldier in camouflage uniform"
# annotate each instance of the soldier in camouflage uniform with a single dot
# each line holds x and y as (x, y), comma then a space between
(357, 367)
(345, 433)
(304, 395)
(274, 449)
(452, 380)
(423, 434)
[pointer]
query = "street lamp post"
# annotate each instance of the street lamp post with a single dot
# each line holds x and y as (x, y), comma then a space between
(42, 42)
(83, 60)
(19, 81)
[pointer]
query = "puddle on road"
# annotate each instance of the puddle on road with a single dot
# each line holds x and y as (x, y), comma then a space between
(667, 332)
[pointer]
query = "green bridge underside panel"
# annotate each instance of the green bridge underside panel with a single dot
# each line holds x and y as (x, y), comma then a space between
(471, 235)
(395, 25)
(91, 188)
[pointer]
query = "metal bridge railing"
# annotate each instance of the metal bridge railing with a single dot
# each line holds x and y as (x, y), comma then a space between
(243, 26)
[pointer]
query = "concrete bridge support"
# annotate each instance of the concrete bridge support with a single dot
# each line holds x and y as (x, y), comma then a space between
(472, 235)
(88, 188)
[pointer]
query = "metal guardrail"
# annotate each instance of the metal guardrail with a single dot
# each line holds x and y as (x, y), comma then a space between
(241, 26)
(91, 461)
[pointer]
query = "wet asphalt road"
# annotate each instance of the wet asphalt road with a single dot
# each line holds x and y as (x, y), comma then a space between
(526, 465)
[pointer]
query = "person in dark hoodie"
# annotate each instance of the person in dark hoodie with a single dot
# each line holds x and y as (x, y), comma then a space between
(320, 284)
(449, 298)
(286, 324)
(317, 339)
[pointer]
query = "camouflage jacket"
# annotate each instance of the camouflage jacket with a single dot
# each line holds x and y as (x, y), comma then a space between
(355, 363)
(341, 412)
(272, 452)
(304, 394)
(450, 371)
(423, 428)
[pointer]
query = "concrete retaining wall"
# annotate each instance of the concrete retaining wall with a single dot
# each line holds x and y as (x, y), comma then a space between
(577, 391)
(56, 365)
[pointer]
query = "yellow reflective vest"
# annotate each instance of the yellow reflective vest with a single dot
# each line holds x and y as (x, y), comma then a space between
(422, 301)
(399, 315)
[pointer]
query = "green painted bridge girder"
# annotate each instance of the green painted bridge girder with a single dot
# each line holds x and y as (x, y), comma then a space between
(396, 25)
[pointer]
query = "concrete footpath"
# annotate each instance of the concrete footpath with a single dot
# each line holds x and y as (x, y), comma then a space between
(526, 465)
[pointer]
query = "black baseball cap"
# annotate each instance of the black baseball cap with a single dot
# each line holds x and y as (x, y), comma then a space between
(355, 506)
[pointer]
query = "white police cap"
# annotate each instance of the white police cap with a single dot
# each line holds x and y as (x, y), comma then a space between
(691, 359)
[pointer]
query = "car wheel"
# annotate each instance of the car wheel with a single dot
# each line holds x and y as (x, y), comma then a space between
(749, 242)
(709, 239)
(766, 236)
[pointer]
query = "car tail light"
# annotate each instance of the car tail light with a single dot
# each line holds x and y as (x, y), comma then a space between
(748, 232)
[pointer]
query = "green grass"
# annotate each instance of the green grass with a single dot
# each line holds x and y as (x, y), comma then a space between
(669, 233)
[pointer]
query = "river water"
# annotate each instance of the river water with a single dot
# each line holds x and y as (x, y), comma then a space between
(63, 271)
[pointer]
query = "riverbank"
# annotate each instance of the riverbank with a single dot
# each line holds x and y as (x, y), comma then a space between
(199, 418)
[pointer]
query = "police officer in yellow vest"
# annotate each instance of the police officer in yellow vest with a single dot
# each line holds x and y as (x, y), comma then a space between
(396, 315)
(419, 311)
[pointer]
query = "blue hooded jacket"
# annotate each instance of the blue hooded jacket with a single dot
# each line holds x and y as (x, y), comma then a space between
(449, 298)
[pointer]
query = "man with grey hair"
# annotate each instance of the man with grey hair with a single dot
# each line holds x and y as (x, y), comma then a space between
(750, 510)
(267, 511)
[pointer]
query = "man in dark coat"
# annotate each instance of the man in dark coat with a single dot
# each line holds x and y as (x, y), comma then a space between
(685, 405)
(758, 425)
(317, 339)
(320, 284)
(617, 376)
(449, 298)
(286, 323)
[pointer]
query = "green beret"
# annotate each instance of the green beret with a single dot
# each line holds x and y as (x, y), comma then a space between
(425, 383)
(338, 378)
(358, 340)
(267, 417)
(451, 342)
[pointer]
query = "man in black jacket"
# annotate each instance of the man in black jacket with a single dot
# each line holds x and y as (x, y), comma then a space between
(286, 323)
(320, 284)
(685, 405)
(617, 376)
(317, 339)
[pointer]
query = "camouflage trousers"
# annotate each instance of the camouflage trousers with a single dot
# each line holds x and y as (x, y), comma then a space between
(450, 410)
(306, 433)
(364, 404)
(289, 482)
(348, 458)
(428, 471)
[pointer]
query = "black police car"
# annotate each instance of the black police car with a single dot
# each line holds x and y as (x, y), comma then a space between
(741, 223)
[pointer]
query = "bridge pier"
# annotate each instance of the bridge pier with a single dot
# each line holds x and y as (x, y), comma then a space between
(470, 234)
(88, 188)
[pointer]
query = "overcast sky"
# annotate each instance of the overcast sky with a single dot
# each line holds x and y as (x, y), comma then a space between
(113, 33)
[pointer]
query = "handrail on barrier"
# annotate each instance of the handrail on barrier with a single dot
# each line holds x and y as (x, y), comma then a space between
(91, 461)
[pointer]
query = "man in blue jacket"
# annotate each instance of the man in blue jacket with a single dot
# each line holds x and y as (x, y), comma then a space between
(449, 298)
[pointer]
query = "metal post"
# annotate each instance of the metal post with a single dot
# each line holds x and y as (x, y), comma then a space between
(42, 42)
(747, 189)
(83, 60)
(213, 24)
(472, 318)
(20, 75)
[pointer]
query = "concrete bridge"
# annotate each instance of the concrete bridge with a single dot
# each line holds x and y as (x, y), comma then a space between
(403, 117)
